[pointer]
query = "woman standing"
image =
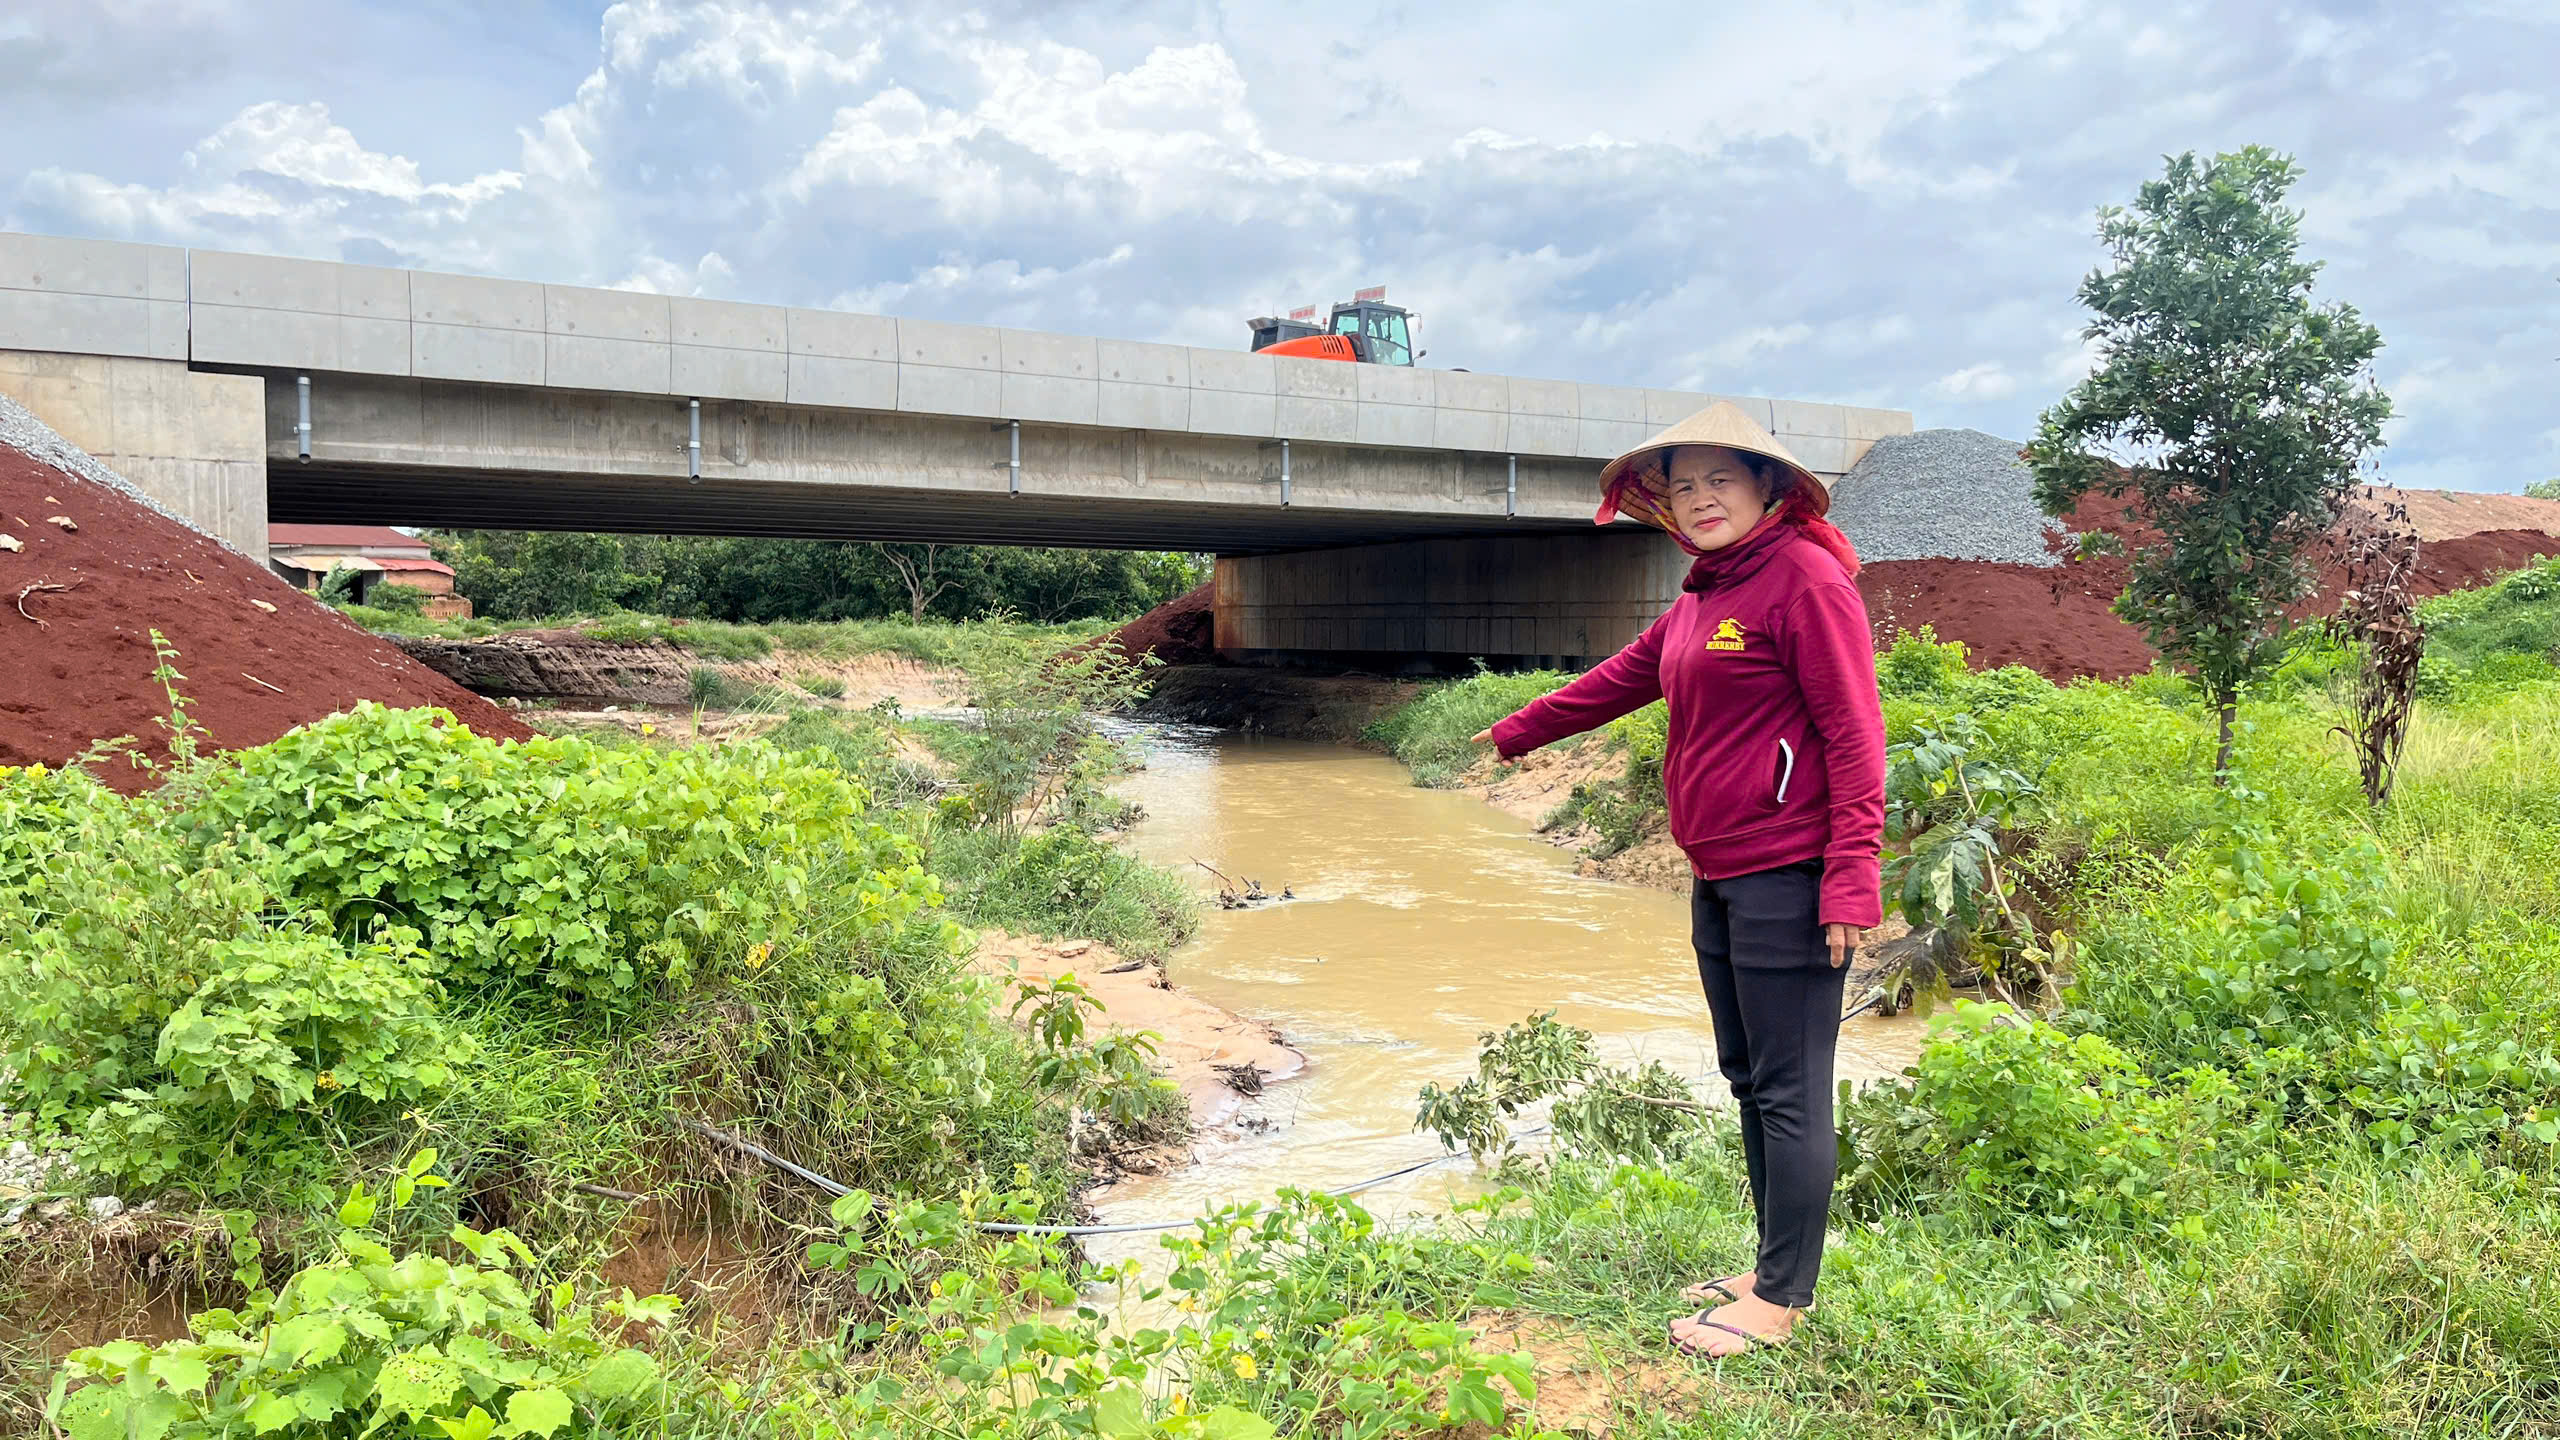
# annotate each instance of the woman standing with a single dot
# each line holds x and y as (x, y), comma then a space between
(1774, 770)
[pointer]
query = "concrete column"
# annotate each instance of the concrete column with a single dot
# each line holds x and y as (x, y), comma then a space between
(1568, 600)
(195, 443)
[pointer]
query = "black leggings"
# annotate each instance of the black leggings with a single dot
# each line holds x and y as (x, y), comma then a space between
(1775, 998)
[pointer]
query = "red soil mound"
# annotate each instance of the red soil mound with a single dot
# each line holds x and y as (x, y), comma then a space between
(2060, 622)
(1181, 631)
(76, 663)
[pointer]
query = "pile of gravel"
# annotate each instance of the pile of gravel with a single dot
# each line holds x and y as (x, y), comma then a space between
(1943, 495)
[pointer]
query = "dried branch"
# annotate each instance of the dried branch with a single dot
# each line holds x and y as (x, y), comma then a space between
(2377, 620)
(38, 588)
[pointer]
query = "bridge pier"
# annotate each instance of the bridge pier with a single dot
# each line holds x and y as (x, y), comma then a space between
(1560, 600)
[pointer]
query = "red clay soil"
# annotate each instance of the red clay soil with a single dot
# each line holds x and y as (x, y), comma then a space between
(1181, 631)
(76, 663)
(2060, 621)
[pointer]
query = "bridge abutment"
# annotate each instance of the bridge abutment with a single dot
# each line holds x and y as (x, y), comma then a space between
(1566, 600)
(195, 443)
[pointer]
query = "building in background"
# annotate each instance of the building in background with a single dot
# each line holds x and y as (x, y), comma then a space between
(380, 555)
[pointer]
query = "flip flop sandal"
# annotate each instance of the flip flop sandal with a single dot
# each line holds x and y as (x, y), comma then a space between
(1699, 1351)
(1706, 1290)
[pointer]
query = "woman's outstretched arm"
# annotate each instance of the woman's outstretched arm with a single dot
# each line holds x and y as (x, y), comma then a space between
(1620, 685)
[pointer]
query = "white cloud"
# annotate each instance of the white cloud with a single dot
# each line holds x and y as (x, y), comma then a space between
(1848, 199)
(1987, 381)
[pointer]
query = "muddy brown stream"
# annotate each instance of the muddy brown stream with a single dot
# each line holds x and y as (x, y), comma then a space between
(1422, 919)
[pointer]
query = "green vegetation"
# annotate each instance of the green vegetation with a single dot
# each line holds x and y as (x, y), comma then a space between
(2274, 1154)
(1431, 734)
(286, 970)
(363, 1341)
(2230, 407)
(2268, 1158)
(933, 642)
(2495, 636)
(520, 576)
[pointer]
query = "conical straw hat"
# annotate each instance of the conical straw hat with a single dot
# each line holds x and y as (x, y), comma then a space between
(1722, 423)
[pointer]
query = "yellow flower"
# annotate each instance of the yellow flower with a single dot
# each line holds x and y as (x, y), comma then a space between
(327, 1081)
(1261, 1332)
(1244, 1367)
(758, 953)
(648, 728)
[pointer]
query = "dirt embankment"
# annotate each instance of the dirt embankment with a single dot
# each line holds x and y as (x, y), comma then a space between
(572, 666)
(1181, 631)
(78, 603)
(1295, 704)
(2060, 621)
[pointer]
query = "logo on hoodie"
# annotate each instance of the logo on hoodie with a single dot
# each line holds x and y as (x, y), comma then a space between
(1728, 636)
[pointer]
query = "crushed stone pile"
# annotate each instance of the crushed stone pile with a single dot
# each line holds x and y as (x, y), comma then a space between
(89, 567)
(1944, 495)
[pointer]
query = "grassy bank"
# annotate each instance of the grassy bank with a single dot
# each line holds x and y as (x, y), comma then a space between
(932, 642)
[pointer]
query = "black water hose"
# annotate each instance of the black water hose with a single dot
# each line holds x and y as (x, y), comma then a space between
(995, 1227)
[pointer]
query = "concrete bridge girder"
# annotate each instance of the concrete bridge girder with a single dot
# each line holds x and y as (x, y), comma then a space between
(1359, 508)
(445, 453)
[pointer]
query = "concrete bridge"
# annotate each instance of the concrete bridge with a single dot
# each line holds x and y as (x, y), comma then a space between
(1356, 509)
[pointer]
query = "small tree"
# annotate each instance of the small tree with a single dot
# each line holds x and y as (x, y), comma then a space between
(2544, 489)
(922, 570)
(1036, 697)
(2377, 621)
(2230, 407)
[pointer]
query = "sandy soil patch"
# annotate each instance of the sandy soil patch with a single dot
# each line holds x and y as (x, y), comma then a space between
(1580, 1389)
(867, 679)
(1202, 1048)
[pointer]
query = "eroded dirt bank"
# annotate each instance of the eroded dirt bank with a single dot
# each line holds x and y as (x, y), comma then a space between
(1217, 1059)
(573, 667)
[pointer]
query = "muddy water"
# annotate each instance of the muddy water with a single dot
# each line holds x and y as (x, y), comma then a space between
(1422, 919)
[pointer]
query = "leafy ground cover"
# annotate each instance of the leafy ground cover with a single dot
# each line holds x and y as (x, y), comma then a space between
(294, 968)
(2272, 1154)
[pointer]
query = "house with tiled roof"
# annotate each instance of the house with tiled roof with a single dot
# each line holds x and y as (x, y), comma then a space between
(380, 555)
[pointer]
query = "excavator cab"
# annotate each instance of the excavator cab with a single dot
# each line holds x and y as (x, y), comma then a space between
(1365, 329)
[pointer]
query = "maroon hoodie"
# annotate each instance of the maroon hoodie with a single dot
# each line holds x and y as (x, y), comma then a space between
(1776, 751)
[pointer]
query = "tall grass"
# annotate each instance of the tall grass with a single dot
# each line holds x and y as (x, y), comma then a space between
(1430, 734)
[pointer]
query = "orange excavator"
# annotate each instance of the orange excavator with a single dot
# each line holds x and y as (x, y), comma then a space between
(1364, 330)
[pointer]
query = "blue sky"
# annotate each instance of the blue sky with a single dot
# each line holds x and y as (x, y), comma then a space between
(1885, 204)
